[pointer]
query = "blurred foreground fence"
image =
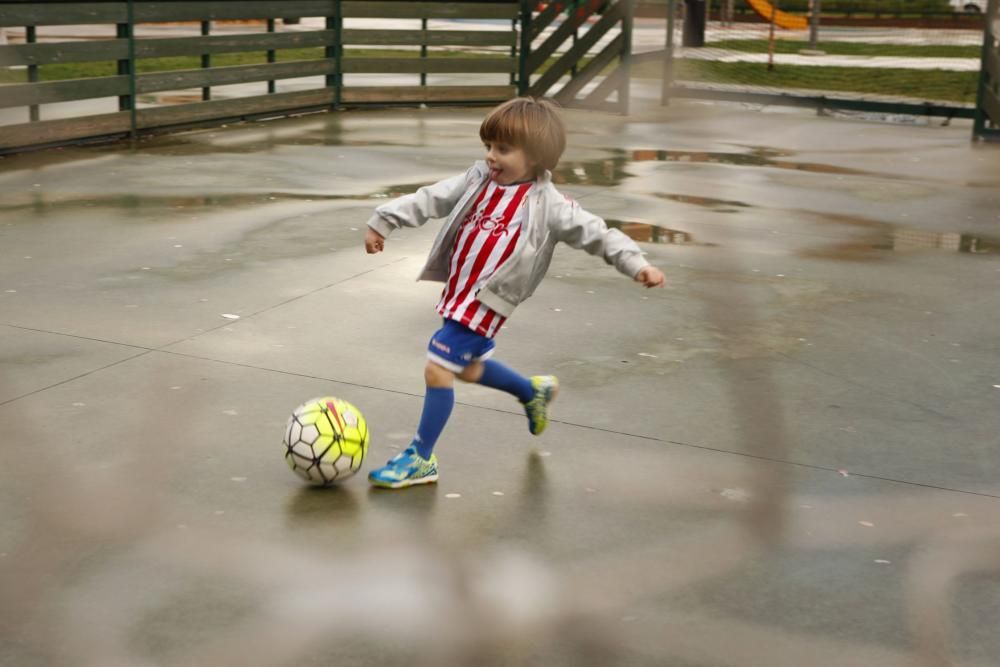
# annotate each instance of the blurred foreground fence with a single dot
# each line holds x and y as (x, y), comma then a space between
(924, 57)
(99, 70)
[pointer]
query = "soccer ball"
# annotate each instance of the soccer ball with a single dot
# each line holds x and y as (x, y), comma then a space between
(326, 440)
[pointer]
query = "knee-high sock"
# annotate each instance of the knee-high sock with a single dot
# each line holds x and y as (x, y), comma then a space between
(498, 376)
(438, 402)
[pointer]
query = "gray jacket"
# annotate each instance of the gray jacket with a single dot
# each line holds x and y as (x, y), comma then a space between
(551, 218)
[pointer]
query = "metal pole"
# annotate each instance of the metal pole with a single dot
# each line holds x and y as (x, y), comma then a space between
(770, 37)
(814, 12)
(133, 121)
(423, 49)
(513, 51)
(523, 83)
(668, 54)
(335, 52)
(206, 60)
(979, 130)
(30, 36)
(271, 88)
(624, 91)
(574, 6)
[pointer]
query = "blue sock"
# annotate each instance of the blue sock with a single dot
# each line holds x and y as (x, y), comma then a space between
(500, 377)
(438, 402)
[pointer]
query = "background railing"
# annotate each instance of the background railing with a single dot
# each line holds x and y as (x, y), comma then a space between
(103, 69)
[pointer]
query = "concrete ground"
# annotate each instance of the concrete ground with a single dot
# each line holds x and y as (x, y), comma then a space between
(789, 456)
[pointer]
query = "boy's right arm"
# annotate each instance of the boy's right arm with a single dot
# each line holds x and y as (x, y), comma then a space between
(413, 210)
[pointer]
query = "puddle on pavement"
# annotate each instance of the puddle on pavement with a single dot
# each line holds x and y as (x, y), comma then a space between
(758, 157)
(647, 233)
(39, 204)
(717, 205)
(905, 240)
(887, 237)
(613, 169)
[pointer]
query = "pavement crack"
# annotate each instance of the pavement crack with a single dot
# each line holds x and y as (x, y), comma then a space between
(638, 436)
(75, 377)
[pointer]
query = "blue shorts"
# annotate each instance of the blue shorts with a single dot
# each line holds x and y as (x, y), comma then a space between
(455, 346)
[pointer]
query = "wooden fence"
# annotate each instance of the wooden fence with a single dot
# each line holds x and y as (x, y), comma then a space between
(987, 120)
(340, 61)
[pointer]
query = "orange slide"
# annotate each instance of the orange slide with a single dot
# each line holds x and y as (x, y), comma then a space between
(781, 19)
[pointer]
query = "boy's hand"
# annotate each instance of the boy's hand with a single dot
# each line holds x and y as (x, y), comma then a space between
(650, 276)
(374, 242)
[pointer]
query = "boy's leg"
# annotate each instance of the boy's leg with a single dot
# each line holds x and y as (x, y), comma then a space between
(438, 403)
(535, 393)
(417, 463)
(496, 375)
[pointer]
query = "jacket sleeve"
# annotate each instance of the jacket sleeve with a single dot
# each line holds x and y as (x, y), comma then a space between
(413, 210)
(583, 230)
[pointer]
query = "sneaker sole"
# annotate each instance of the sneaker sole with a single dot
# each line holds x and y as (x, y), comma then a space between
(403, 483)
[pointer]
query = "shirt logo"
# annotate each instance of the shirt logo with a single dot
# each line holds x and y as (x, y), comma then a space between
(494, 224)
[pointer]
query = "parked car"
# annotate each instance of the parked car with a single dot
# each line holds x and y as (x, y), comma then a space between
(969, 6)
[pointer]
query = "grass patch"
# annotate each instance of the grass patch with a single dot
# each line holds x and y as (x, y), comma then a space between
(854, 48)
(938, 85)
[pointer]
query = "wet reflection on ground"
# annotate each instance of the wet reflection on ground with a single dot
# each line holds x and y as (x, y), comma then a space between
(39, 203)
(647, 233)
(613, 169)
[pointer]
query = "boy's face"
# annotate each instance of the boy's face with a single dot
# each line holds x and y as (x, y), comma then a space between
(508, 164)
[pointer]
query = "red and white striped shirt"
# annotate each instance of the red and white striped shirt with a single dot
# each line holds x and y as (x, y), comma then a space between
(484, 242)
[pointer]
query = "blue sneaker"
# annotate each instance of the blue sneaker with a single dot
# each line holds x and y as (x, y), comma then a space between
(546, 387)
(405, 469)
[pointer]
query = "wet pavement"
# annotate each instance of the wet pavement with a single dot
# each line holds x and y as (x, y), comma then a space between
(788, 456)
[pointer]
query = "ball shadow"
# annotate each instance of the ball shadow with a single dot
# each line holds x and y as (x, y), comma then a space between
(314, 503)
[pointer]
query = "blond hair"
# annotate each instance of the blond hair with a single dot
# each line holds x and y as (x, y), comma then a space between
(533, 125)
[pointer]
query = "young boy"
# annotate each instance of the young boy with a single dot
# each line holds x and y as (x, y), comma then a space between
(504, 220)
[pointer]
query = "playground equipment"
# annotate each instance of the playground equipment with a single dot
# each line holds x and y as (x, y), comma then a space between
(781, 19)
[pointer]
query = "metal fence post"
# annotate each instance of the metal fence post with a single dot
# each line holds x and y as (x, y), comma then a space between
(130, 29)
(523, 84)
(668, 57)
(815, 8)
(336, 51)
(271, 57)
(624, 92)
(979, 129)
(31, 36)
(206, 60)
(423, 48)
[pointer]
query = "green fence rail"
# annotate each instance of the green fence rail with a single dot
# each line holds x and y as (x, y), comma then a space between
(141, 63)
(987, 119)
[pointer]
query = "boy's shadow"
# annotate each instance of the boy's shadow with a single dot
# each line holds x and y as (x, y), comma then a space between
(528, 517)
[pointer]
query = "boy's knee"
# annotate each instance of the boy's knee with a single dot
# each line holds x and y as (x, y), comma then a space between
(438, 376)
(472, 372)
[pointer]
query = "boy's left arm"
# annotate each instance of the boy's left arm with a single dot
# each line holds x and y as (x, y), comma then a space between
(583, 230)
